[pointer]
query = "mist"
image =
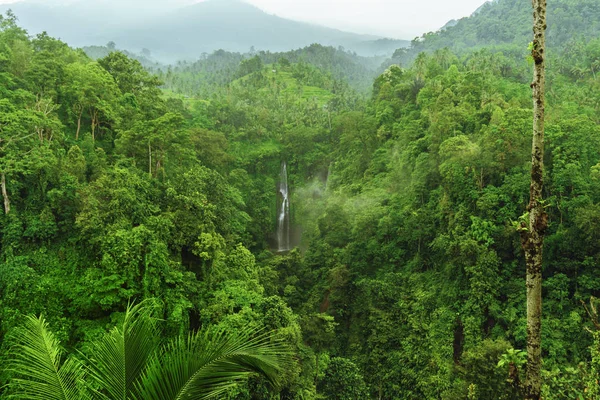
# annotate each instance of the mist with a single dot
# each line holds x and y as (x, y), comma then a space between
(400, 19)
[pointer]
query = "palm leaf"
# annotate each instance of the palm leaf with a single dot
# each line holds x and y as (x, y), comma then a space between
(120, 357)
(36, 363)
(206, 364)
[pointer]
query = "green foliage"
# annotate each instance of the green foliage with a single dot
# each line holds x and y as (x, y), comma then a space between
(343, 381)
(40, 368)
(491, 370)
(250, 66)
(408, 278)
(127, 362)
(569, 383)
(512, 356)
(206, 365)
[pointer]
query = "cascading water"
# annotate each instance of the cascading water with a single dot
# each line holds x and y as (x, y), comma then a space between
(283, 212)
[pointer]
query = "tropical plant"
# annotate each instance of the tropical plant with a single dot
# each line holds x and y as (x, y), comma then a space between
(40, 372)
(129, 363)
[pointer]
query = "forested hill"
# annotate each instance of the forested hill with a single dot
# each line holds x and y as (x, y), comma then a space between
(214, 72)
(184, 32)
(504, 25)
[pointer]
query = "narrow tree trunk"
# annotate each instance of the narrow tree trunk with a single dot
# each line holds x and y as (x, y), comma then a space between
(94, 115)
(149, 159)
(78, 125)
(316, 368)
(533, 236)
(5, 194)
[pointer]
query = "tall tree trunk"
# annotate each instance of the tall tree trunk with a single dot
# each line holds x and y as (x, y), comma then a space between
(94, 116)
(316, 368)
(149, 159)
(533, 237)
(5, 194)
(78, 125)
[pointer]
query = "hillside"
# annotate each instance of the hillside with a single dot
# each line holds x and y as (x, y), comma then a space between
(505, 25)
(185, 32)
(214, 71)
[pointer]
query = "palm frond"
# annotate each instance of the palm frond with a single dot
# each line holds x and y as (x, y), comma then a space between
(206, 364)
(119, 358)
(36, 364)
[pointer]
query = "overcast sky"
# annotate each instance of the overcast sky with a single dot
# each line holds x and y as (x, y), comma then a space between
(404, 19)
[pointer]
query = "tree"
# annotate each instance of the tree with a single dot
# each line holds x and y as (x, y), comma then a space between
(153, 140)
(128, 363)
(92, 89)
(249, 66)
(5, 193)
(25, 137)
(343, 381)
(532, 236)
(141, 99)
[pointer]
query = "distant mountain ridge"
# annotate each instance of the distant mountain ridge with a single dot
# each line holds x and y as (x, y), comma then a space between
(188, 31)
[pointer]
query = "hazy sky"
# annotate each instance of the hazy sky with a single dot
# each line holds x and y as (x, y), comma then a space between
(403, 19)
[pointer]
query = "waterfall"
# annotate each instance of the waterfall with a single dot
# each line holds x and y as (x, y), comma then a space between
(283, 214)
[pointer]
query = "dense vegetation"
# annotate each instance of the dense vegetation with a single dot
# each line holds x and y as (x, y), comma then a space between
(211, 73)
(408, 281)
